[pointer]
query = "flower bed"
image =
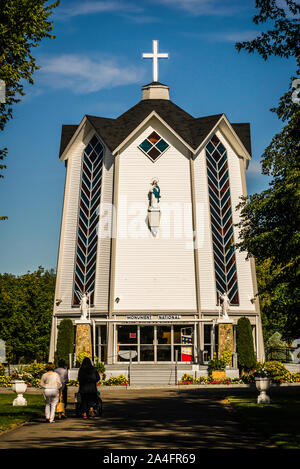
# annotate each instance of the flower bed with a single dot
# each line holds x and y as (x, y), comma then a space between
(189, 379)
(6, 381)
(277, 372)
(274, 370)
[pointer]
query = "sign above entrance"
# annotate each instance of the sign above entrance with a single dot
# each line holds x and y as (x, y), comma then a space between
(159, 316)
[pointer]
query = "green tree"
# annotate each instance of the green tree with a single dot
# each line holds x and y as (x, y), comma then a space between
(65, 340)
(23, 25)
(26, 304)
(244, 345)
(283, 39)
(270, 220)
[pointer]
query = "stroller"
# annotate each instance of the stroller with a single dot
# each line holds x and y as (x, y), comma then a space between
(97, 406)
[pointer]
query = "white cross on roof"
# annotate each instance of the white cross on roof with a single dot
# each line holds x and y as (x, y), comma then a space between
(155, 55)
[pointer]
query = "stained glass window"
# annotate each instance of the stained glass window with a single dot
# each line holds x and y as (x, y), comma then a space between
(88, 219)
(154, 146)
(221, 219)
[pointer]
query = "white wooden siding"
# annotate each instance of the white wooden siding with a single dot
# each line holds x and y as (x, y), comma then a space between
(154, 273)
(67, 250)
(205, 252)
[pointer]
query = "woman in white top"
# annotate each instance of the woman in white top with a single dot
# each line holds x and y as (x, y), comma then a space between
(51, 384)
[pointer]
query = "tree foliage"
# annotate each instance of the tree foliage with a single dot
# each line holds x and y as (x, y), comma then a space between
(23, 25)
(65, 340)
(244, 344)
(269, 226)
(283, 39)
(26, 304)
(270, 220)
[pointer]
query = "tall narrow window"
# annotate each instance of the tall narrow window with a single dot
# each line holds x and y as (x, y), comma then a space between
(221, 219)
(88, 219)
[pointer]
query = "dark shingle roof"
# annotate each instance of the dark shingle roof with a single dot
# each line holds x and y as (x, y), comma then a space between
(67, 132)
(192, 130)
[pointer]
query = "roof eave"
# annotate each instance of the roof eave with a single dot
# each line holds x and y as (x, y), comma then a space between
(152, 114)
(223, 124)
(72, 140)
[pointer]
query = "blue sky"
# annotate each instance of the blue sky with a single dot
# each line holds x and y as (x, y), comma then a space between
(95, 66)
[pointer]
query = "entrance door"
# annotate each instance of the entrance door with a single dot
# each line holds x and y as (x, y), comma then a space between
(146, 344)
(163, 343)
(159, 343)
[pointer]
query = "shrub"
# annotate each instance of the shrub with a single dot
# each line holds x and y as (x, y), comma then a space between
(65, 340)
(35, 369)
(187, 379)
(81, 355)
(73, 382)
(117, 381)
(276, 371)
(5, 381)
(100, 367)
(226, 357)
(216, 364)
(2, 370)
(244, 345)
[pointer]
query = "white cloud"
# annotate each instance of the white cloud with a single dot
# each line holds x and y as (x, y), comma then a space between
(83, 75)
(206, 7)
(254, 168)
(232, 36)
(124, 7)
(94, 7)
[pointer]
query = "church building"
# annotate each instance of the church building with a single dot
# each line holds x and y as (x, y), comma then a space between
(147, 269)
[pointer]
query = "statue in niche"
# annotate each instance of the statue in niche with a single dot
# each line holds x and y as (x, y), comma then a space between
(225, 305)
(154, 194)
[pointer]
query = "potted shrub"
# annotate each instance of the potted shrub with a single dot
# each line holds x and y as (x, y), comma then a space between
(19, 385)
(100, 367)
(216, 368)
(262, 382)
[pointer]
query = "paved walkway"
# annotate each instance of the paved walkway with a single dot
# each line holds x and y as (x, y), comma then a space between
(144, 419)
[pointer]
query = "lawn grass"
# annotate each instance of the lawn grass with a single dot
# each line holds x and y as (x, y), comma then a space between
(11, 416)
(278, 421)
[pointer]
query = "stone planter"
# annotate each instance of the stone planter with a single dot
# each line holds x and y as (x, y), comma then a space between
(218, 374)
(263, 385)
(19, 386)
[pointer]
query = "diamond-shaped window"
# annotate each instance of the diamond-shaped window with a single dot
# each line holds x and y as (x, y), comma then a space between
(154, 146)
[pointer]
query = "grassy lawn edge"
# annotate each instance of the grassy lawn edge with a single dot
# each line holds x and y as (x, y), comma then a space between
(12, 417)
(277, 421)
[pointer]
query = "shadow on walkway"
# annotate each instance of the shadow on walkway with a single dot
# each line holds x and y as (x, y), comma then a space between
(145, 419)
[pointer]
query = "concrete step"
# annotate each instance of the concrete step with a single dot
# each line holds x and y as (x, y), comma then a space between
(142, 376)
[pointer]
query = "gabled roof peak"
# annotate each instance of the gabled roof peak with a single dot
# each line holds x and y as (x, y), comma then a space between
(193, 131)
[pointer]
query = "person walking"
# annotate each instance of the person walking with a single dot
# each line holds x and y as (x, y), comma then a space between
(51, 384)
(88, 378)
(63, 374)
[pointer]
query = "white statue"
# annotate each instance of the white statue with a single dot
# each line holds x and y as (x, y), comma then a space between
(225, 305)
(84, 306)
(154, 194)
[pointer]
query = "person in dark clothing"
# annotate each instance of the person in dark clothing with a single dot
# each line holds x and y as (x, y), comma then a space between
(88, 378)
